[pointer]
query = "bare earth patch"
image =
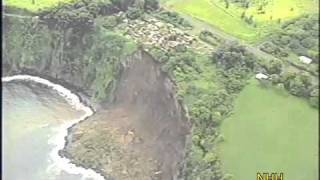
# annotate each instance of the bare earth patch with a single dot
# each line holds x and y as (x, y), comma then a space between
(141, 135)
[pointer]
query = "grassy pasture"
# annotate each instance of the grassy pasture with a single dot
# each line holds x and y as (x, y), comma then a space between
(215, 13)
(270, 131)
(34, 5)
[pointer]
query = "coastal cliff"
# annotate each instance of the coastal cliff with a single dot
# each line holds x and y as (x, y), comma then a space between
(139, 129)
(86, 60)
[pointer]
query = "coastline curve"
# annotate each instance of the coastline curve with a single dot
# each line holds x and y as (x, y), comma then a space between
(59, 140)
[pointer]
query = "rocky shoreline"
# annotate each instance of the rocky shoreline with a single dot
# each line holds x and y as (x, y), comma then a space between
(61, 162)
(84, 98)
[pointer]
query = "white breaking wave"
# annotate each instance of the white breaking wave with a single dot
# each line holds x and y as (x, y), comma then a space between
(59, 139)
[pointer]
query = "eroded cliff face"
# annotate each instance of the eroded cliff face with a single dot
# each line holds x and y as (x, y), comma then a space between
(144, 128)
(140, 132)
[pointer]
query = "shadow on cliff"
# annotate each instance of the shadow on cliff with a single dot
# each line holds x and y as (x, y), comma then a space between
(144, 126)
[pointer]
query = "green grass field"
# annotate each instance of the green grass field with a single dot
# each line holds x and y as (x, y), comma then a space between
(37, 6)
(270, 131)
(215, 13)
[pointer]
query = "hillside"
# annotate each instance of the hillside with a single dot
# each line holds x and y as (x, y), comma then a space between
(165, 76)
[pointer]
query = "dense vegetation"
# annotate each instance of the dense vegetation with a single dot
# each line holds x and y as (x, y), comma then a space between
(299, 36)
(210, 38)
(208, 86)
(298, 84)
(174, 18)
(76, 42)
(82, 14)
(86, 58)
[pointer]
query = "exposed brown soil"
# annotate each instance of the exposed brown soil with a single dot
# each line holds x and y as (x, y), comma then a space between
(141, 135)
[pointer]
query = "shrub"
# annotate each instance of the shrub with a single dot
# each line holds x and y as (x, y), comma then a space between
(174, 18)
(151, 5)
(233, 55)
(308, 42)
(134, 13)
(314, 102)
(275, 78)
(108, 22)
(274, 67)
(122, 4)
(209, 38)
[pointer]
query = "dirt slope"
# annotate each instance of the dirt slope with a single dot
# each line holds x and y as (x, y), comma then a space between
(141, 134)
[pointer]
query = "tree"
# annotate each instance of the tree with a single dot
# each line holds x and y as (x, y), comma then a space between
(234, 85)
(298, 84)
(275, 78)
(314, 55)
(108, 22)
(286, 77)
(308, 42)
(314, 92)
(243, 14)
(269, 47)
(251, 18)
(181, 48)
(122, 4)
(279, 20)
(139, 4)
(227, 4)
(284, 40)
(314, 102)
(274, 67)
(295, 44)
(314, 97)
(232, 55)
(296, 87)
(134, 13)
(247, 5)
(151, 5)
(248, 20)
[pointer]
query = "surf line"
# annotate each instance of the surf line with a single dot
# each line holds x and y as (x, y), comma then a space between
(59, 140)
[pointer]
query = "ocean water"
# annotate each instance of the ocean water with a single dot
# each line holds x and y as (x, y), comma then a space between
(35, 122)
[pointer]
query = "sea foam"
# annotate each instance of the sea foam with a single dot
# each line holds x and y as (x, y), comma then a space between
(62, 163)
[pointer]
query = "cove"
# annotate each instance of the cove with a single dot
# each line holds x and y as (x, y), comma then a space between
(36, 116)
(270, 131)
